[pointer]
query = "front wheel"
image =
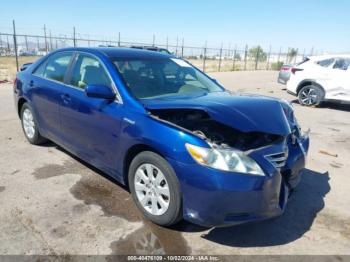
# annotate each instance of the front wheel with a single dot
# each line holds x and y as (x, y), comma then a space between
(155, 188)
(310, 95)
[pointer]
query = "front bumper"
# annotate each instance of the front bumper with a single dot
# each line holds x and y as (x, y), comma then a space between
(218, 198)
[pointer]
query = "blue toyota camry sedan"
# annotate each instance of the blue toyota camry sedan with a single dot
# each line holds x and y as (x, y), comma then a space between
(184, 146)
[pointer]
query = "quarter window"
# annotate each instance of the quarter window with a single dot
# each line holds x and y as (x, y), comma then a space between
(55, 68)
(40, 69)
(89, 71)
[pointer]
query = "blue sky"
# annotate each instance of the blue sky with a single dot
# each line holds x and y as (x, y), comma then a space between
(324, 25)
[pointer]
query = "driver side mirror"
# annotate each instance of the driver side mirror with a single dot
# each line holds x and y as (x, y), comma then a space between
(100, 91)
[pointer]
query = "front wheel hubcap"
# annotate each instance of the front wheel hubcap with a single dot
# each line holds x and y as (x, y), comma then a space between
(308, 96)
(28, 123)
(152, 189)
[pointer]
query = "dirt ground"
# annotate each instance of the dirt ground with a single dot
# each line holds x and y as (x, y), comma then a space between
(51, 203)
(8, 66)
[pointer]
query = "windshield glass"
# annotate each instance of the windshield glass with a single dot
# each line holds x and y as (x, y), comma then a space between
(163, 77)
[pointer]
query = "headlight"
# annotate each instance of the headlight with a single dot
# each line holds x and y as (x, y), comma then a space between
(224, 159)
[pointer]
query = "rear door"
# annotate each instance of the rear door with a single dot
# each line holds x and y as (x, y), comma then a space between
(90, 125)
(339, 84)
(46, 86)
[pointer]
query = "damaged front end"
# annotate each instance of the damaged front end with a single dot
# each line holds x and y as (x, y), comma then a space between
(288, 149)
(260, 133)
(213, 132)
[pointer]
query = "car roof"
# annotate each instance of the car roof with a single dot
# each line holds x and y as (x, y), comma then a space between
(119, 52)
(320, 57)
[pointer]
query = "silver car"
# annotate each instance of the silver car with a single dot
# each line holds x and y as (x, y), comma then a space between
(284, 74)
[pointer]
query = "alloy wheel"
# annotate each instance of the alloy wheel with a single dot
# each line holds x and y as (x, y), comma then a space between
(28, 123)
(152, 189)
(308, 96)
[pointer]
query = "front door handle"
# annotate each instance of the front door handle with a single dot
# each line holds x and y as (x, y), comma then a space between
(66, 98)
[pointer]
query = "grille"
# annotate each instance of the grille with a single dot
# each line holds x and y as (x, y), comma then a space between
(278, 160)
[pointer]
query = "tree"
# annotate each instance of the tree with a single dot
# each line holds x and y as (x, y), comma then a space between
(292, 54)
(237, 57)
(257, 52)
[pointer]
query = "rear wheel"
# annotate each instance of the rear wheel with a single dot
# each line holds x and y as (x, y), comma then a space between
(155, 188)
(29, 126)
(311, 95)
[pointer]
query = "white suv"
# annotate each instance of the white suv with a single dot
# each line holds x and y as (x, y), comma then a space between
(320, 78)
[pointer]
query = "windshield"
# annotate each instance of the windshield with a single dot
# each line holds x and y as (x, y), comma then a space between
(163, 77)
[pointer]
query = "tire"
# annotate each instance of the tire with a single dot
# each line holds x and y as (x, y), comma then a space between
(157, 204)
(311, 95)
(30, 126)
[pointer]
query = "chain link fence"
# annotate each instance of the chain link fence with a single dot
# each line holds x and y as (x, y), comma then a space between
(17, 49)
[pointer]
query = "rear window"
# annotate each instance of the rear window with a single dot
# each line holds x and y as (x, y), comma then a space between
(326, 62)
(304, 61)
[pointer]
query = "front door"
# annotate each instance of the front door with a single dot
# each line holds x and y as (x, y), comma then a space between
(90, 125)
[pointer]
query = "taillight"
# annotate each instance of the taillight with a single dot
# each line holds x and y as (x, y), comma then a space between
(15, 84)
(294, 70)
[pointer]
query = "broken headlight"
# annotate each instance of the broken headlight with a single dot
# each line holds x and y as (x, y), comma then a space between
(224, 159)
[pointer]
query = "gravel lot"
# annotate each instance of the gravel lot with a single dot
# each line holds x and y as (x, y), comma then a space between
(51, 203)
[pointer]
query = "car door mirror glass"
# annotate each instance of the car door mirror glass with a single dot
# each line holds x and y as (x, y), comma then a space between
(99, 91)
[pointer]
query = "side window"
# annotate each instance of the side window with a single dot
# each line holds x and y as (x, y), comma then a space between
(40, 70)
(342, 64)
(326, 62)
(89, 71)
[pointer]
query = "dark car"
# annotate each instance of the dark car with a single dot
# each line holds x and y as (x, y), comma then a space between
(183, 145)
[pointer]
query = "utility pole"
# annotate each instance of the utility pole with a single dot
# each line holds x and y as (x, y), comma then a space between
(204, 55)
(222, 45)
(154, 40)
(8, 43)
(245, 57)
(182, 48)
(257, 58)
(279, 55)
(177, 44)
(268, 59)
(74, 40)
(296, 55)
(119, 39)
(15, 42)
(50, 41)
(312, 51)
(26, 40)
(45, 38)
(234, 58)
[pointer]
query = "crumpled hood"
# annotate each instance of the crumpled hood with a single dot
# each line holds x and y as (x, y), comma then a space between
(247, 113)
